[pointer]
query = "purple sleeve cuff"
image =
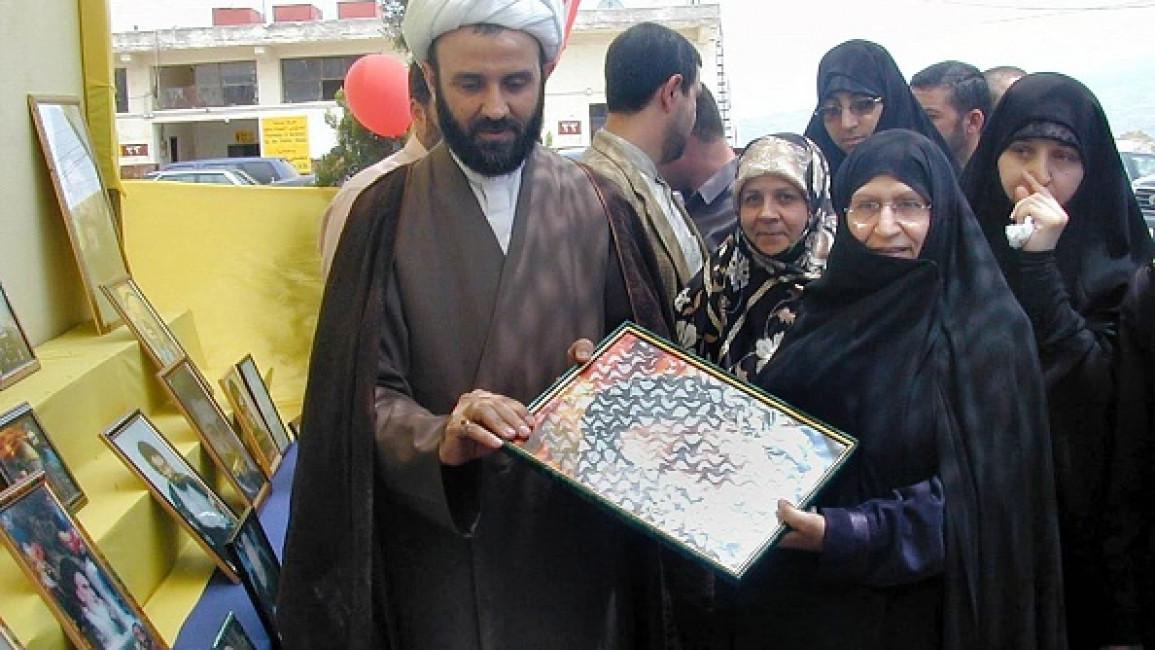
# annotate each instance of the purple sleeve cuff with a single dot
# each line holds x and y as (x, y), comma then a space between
(846, 547)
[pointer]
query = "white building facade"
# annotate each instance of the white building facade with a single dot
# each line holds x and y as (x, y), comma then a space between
(250, 87)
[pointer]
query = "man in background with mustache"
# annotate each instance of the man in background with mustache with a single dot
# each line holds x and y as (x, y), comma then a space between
(456, 290)
(652, 85)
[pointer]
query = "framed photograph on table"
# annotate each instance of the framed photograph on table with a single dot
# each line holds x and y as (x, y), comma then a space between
(83, 592)
(83, 198)
(146, 324)
(257, 436)
(17, 359)
(232, 636)
(194, 398)
(681, 449)
(25, 449)
(7, 639)
(264, 401)
(259, 569)
(176, 486)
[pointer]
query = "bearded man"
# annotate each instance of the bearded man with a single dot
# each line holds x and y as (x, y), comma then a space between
(455, 292)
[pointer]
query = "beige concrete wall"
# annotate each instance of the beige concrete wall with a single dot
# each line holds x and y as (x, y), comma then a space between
(42, 40)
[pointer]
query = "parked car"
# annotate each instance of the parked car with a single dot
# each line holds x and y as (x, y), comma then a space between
(1138, 158)
(263, 170)
(304, 180)
(210, 176)
(1144, 188)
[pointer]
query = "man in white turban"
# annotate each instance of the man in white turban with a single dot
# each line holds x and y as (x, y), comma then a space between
(459, 284)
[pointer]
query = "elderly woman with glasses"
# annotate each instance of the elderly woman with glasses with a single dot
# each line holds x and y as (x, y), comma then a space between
(940, 531)
(736, 310)
(861, 91)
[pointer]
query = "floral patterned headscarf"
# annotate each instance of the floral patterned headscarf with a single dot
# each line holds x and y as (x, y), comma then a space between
(736, 310)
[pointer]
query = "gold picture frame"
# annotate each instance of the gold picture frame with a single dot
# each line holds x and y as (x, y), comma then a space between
(83, 198)
(193, 396)
(92, 605)
(257, 435)
(17, 358)
(143, 320)
(26, 448)
(175, 485)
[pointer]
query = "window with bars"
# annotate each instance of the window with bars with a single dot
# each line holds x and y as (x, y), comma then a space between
(314, 79)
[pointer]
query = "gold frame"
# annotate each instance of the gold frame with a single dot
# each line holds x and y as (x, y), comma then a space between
(150, 330)
(256, 433)
(170, 455)
(219, 434)
(12, 498)
(32, 364)
(266, 609)
(24, 411)
(263, 400)
(95, 227)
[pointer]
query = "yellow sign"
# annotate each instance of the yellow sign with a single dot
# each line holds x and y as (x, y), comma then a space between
(287, 137)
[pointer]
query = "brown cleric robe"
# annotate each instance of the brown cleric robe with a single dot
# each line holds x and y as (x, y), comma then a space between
(421, 307)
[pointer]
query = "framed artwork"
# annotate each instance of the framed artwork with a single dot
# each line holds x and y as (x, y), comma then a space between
(17, 360)
(25, 449)
(257, 436)
(190, 392)
(7, 639)
(154, 336)
(73, 578)
(232, 636)
(264, 401)
(259, 569)
(83, 199)
(681, 449)
(175, 485)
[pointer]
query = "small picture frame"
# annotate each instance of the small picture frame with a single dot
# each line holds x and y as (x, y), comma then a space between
(264, 401)
(259, 569)
(17, 359)
(232, 636)
(194, 398)
(176, 486)
(681, 449)
(83, 199)
(55, 552)
(25, 449)
(7, 638)
(257, 436)
(144, 321)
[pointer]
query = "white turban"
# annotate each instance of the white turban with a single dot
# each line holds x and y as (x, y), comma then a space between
(425, 20)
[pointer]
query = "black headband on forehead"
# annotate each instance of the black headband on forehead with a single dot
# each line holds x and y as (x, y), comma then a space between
(1050, 130)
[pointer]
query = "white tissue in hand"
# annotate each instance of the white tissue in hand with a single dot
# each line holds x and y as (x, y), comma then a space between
(1019, 233)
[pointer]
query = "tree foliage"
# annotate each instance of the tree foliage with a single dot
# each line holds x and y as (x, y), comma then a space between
(356, 148)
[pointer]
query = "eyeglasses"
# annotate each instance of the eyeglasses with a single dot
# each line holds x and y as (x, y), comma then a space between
(904, 210)
(860, 107)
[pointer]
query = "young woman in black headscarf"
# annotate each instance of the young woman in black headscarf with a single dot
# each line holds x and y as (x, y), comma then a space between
(861, 91)
(940, 531)
(1047, 166)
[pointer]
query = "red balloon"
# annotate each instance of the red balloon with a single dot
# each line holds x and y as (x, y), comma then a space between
(377, 91)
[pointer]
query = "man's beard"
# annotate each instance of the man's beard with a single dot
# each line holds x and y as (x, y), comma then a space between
(672, 146)
(490, 158)
(956, 141)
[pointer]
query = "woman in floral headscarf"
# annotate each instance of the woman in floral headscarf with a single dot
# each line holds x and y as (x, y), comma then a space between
(735, 311)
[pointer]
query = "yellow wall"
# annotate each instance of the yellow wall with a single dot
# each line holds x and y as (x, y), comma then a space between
(244, 260)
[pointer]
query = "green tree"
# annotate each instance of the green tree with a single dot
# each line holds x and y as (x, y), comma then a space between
(358, 147)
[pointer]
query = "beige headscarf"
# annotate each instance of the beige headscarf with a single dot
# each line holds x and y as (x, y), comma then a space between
(425, 20)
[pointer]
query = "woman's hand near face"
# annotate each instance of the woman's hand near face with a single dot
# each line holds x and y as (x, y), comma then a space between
(1036, 201)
